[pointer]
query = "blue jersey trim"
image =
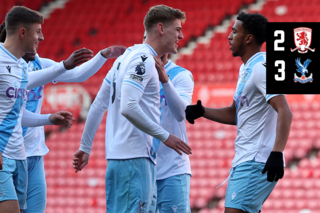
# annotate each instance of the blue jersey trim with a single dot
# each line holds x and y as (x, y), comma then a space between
(107, 80)
(154, 148)
(35, 95)
(248, 68)
(152, 50)
(167, 65)
(10, 121)
(127, 81)
(185, 96)
(9, 54)
(171, 73)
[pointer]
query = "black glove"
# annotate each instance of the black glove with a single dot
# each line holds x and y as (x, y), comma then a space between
(274, 166)
(194, 111)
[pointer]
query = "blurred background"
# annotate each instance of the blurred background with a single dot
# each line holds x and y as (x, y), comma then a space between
(96, 24)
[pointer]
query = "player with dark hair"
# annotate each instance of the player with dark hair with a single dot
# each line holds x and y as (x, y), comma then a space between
(34, 139)
(131, 93)
(263, 121)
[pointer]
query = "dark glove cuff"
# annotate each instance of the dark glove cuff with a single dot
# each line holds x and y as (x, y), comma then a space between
(275, 154)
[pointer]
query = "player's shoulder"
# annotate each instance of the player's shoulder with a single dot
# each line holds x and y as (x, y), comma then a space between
(177, 73)
(260, 66)
(6, 57)
(177, 70)
(143, 50)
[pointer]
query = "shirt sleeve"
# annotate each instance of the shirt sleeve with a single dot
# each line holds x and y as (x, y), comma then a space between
(95, 116)
(84, 71)
(259, 78)
(46, 62)
(179, 95)
(30, 119)
(44, 76)
(140, 72)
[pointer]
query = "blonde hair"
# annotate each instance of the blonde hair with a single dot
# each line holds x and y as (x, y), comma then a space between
(162, 14)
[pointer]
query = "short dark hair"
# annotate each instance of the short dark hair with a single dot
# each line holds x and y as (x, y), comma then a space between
(3, 33)
(255, 24)
(20, 15)
(162, 14)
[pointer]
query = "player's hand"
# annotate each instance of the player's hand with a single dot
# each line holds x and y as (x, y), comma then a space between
(77, 57)
(274, 166)
(62, 118)
(80, 160)
(194, 112)
(113, 51)
(1, 161)
(163, 77)
(178, 145)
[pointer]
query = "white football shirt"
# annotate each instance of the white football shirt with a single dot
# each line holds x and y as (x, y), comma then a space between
(255, 118)
(169, 162)
(34, 137)
(136, 68)
(13, 96)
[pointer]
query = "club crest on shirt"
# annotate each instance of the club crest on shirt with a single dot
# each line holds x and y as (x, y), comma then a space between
(140, 68)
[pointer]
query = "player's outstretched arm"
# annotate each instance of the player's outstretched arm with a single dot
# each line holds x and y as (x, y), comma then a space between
(274, 165)
(131, 109)
(89, 68)
(176, 103)
(30, 119)
(97, 109)
(44, 76)
(225, 115)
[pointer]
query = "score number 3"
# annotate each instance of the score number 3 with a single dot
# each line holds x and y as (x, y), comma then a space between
(281, 75)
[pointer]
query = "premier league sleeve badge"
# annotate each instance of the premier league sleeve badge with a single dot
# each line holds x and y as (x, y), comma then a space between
(140, 68)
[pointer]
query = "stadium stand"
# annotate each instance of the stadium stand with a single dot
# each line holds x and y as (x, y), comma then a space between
(120, 22)
(32, 4)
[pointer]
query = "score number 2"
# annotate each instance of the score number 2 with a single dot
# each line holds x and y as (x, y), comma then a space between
(281, 70)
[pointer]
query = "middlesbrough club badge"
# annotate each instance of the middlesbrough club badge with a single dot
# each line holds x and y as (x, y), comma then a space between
(302, 40)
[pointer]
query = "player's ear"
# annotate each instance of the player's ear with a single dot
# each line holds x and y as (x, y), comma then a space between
(249, 38)
(22, 32)
(160, 28)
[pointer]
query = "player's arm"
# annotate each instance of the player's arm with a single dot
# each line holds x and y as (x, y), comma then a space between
(47, 75)
(178, 96)
(280, 105)
(226, 115)
(132, 90)
(96, 112)
(30, 119)
(88, 69)
(274, 165)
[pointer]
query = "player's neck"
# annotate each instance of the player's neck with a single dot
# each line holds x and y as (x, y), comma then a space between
(249, 53)
(13, 47)
(155, 46)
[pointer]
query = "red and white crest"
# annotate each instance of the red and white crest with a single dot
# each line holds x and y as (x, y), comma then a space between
(302, 39)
